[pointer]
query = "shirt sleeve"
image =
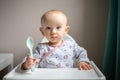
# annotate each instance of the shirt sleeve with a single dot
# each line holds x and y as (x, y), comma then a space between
(80, 53)
(37, 55)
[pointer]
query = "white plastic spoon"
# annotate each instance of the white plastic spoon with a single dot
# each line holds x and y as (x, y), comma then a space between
(30, 44)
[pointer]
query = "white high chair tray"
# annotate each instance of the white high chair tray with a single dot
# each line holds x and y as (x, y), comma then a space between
(57, 74)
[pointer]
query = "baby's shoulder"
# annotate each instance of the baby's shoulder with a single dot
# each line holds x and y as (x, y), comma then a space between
(69, 41)
(42, 46)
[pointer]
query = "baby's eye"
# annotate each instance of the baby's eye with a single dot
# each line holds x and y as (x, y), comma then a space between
(59, 27)
(48, 28)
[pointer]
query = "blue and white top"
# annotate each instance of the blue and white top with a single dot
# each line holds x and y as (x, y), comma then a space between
(62, 56)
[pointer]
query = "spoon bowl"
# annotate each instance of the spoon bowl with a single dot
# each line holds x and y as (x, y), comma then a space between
(30, 44)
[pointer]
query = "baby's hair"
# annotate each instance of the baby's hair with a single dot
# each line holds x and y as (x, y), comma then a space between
(44, 16)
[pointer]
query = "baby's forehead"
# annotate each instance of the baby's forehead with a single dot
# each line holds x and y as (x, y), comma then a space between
(55, 13)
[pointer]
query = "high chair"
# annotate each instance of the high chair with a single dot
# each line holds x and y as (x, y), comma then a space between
(56, 73)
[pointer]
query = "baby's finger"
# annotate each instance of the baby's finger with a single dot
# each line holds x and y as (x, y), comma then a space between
(87, 67)
(90, 67)
(30, 63)
(80, 67)
(28, 56)
(34, 59)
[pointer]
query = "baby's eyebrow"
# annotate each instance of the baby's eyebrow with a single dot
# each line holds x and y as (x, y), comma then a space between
(48, 27)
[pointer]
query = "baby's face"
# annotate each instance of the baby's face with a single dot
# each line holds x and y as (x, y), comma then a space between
(55, 28)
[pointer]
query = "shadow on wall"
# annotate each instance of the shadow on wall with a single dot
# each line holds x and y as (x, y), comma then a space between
(95, 26)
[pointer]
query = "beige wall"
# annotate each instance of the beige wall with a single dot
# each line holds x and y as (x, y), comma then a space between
(21, 18)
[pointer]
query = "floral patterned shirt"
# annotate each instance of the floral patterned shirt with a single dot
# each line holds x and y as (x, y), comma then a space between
(62, 56)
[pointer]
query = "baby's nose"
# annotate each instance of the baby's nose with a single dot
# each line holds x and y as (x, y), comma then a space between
(53, 31)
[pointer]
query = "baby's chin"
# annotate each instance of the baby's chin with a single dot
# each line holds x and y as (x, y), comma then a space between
(54, 43)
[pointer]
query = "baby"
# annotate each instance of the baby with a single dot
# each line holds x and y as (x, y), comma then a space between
(58, 52)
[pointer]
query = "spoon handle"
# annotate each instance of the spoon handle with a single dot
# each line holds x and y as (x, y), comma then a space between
(33, 68)
(31, 54)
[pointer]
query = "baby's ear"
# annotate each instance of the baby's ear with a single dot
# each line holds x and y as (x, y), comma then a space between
(67, 29)
(41, 30)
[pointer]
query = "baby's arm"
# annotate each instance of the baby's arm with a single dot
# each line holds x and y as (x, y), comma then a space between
(81, 54)
(84, 63)
(29, 62)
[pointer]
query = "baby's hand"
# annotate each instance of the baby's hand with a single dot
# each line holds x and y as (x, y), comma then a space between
(84, 66)
(30, 61)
